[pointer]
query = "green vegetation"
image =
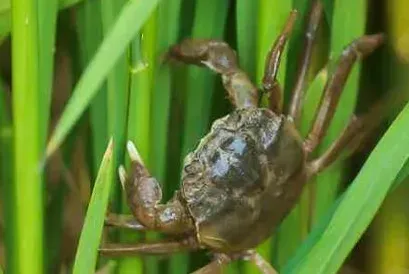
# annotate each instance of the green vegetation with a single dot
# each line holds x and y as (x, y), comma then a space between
(95, 69)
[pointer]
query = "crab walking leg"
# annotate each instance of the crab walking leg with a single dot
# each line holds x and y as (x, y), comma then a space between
(219, 57)
(170, 247)
(352, 136)
(123, 221)
(144, 195)
(314, 19)
(270, 83)
(359, 48)
(261, 263)
(216, 266)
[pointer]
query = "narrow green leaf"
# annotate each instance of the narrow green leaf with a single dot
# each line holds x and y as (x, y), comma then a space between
(168, 29)
(133, 14)
(6, 166)
(143, 65)
(246, 31)
(209, 21)
(295, 226)
(47, 22)
(117, 85)
(89, 28)
(312, 100)
(25, 249)
(87, 251)
(296, 44)
(6, 134)
(5, 15)
(361, 201)
(272, 16)
(347, 24)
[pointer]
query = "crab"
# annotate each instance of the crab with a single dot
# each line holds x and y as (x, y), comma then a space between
(248, 172)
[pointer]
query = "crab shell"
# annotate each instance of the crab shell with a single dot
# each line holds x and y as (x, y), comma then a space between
(243, 179)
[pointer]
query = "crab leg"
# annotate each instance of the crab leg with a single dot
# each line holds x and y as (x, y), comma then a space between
(144, 195)
(299, 87)
(216, 266)
(270, 83)
(219, 57)
(261, 263)
(352, 136)
(123, 221)
(114, 250)
(357, 49)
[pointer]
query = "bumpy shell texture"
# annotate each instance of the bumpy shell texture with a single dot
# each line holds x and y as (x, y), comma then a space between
(238, 177)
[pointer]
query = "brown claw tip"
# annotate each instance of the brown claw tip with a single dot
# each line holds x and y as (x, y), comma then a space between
(376, 39)
(380, 37)
(169, 55)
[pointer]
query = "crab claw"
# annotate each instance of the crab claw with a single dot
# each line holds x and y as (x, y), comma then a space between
(133, 152)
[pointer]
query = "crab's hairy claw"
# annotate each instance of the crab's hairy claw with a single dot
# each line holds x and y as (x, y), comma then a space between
(144, 195)
(219, 57)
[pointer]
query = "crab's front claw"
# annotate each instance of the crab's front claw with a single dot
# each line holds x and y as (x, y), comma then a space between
(144, 194)
(143, 190)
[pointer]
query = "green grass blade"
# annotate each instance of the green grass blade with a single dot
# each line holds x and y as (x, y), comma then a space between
(6, 168)
(5, 15)
(87, 251)
(47, 22)
(167, 34)
(347, 24)
(168, 30)
(209, 21)
(117, 86)
(296, 44)
(134, 14)
(5, 142)
(361, 201)
(294, 228)
(89, 28)
(143, 57)
(312, 100)
(246, 31)
(271, 18)
(403, 175)
(25, 255)
(63, 4)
